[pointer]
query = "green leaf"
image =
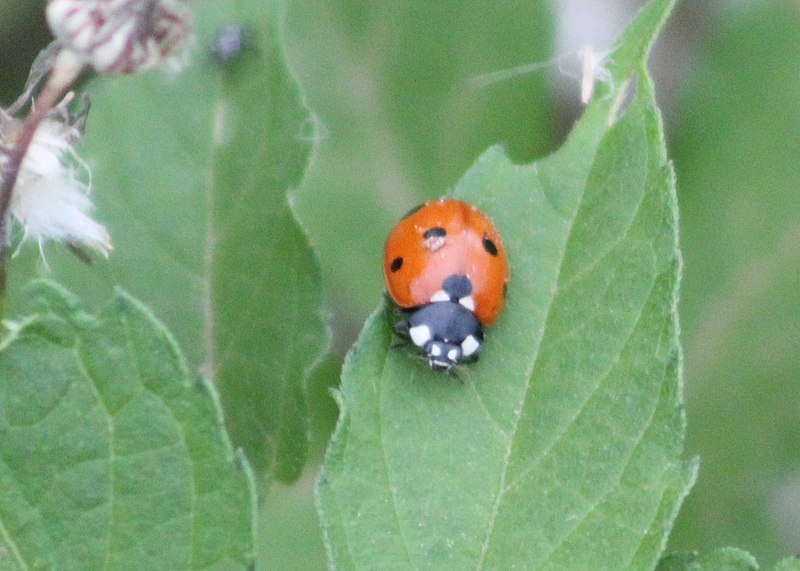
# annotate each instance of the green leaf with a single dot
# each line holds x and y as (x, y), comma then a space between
(112, 454)
(725, 559)
(191, 175)
(562, 447)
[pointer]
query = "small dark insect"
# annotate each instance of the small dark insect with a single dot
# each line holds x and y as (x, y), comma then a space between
(229, 43)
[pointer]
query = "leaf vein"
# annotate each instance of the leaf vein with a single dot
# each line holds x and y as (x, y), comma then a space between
(138, 372)
(518, 412)
(13, 546)
(502, 487)
(593, 505)
(601, 379)
(94, 383)
(385, 457)
(495, 423)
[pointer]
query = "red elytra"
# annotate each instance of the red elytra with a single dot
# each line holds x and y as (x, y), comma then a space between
(439, 239)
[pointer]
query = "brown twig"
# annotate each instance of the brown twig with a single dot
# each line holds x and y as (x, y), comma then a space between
(65, 70)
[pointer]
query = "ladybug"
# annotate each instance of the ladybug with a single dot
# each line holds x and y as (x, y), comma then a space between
(446, 269)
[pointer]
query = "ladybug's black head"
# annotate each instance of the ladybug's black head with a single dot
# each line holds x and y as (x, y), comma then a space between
(442, 356)
(447, 332)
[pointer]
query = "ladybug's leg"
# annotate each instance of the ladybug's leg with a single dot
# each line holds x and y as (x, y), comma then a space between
(453, 374)
(401, 328)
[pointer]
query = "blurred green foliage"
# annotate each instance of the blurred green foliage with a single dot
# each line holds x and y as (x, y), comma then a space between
(23, 32)
(736, 146)
(389, 82)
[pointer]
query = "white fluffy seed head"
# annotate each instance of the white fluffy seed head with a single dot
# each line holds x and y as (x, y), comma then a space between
(123, 36)
(50, 201)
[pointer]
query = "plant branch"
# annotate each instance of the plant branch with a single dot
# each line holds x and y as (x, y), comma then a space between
(66, 69)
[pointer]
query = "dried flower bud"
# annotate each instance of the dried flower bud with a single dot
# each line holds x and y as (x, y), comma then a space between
(50, 201)
(123, 36)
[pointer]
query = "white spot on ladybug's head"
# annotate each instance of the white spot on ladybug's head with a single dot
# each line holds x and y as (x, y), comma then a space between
(470, 345)
(454, 355)
(467, 302)
(438, 360)
(456, 289)
(446, 331)
(420, 335)
(440, 295)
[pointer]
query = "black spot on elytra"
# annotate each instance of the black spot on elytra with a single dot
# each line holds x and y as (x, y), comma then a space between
(397, 263)
(489, 246)
(435, 232)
